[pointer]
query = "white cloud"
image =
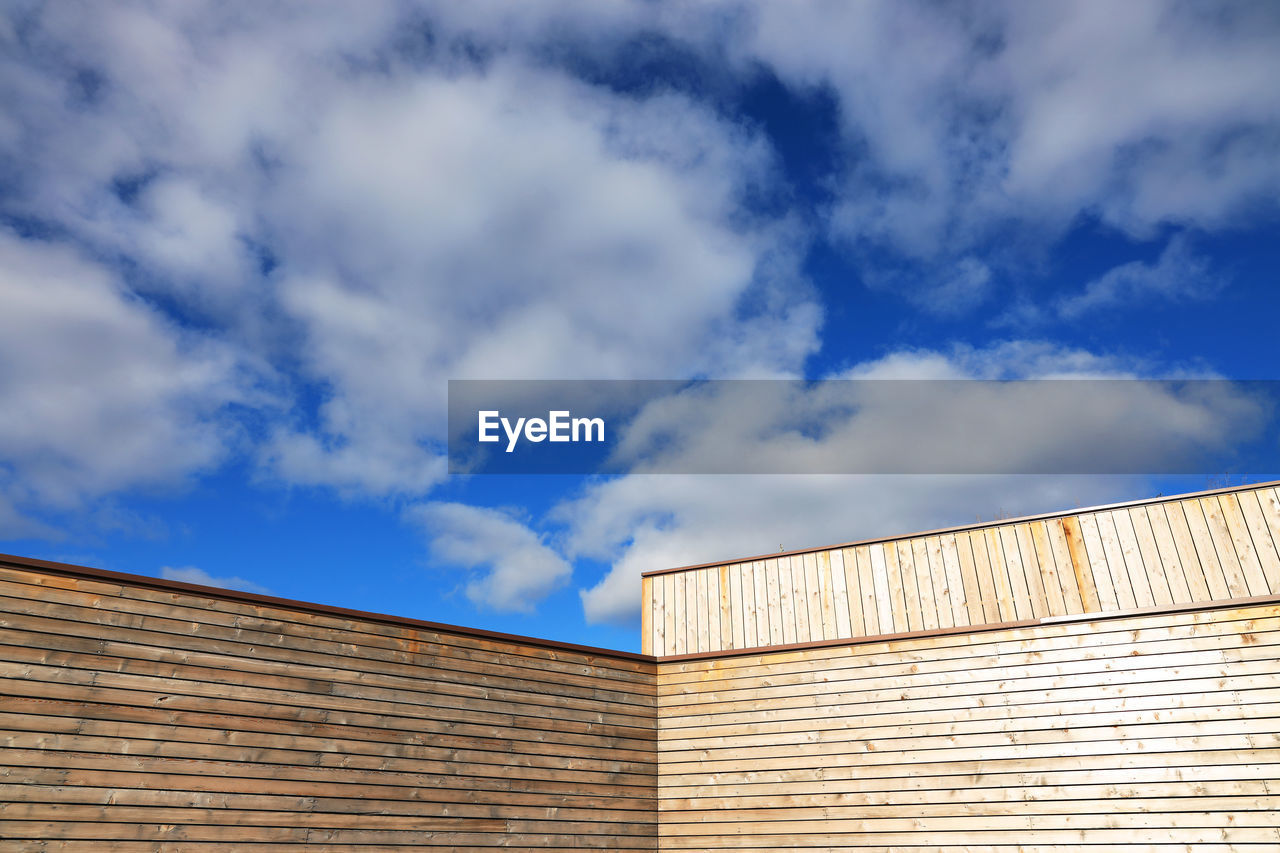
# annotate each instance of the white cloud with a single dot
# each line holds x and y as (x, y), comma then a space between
(512, 568)
(100, 392)
(422, 217)
(1178, 274)
(192, 574)
(973, 122)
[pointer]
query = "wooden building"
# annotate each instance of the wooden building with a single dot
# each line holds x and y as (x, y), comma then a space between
(1091, 680)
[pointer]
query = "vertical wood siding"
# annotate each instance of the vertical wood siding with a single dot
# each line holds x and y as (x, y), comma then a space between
(1149, 733)
(1179, 551)
(139, 719)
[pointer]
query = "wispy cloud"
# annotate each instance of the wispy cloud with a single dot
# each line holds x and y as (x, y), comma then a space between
(1178, 274)
(192, 574)
(511, 567)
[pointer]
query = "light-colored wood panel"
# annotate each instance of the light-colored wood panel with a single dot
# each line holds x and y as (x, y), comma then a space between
(968, 547)
(1060, 553)
(737, 614)
(1047, 562)
(987, 545)
(888, 557)
(765, 613)
(1153, 564)
(844, 594)
(1090, 602)
(681, 644)
(813, 597)
(1119, 569)
(669, 614)
(1013, 567)
(1242, 542)
(776, 600)
(1220, 536)
(1194, 569)
(649, 604)
(930, 603)
(1254, 507)
(1032, 572)
(910, 586)
(1099, 563)
(1167, 553)
(967, 600)
(874, 559)
(1127, 540)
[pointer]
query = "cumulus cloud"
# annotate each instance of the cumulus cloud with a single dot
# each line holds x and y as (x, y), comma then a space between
(1010, 122)
(192, 574)
(512, 568)
(376, 215)
(101, 392)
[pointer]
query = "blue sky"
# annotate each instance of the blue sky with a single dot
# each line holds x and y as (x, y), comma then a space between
(244, 247)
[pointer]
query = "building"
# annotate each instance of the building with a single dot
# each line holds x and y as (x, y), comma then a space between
(1102, 679)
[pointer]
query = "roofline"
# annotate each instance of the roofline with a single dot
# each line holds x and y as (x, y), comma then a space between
(70, 569)
(1063, 513)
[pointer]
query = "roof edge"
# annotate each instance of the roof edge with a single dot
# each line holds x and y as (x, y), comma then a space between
(73, 570)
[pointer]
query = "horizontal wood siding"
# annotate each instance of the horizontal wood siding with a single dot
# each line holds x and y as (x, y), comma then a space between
(1178, 551)
(1155, 732)
(142, 719)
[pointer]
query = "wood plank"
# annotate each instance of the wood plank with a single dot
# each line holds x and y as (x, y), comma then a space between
(878, 601)
(1121, 575)
(1149, 553)
(1167, 554)
(798, 602)
(813, 600)
(702, 610)
(845, 593)
(1048, 569)
(1064, 566)
(988, 556)
(857, 578)
(765, 613)
(1224, 547)
(1099, 563)
(827, 588)
(681, 613)
(669, 614)
(967, 609)
(1015, 572)
(1242, 539)
(1139, 573)
(1081, 568)
(949, 598)
(1253, 508)
(929, 607)
(888, 556)
(1033, 572)
(648, 603)
(775, 605)
(910, 582)
(1194, 568)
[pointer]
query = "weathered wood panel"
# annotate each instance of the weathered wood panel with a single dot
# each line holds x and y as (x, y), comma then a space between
(1178, 550)
(143, 718)
(1152, 732)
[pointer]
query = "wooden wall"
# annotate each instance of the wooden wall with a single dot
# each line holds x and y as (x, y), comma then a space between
(1213, 547)
(1150, 733)
(153, 719)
